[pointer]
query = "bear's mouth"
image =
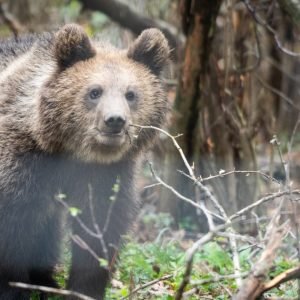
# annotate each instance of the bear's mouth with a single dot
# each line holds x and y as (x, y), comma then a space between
(110, 138)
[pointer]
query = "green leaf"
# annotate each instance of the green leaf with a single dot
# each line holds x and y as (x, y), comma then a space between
(124, 292)
(112, 198)
(116, 188)
(103, 262)
(61, 196)
(74, 211)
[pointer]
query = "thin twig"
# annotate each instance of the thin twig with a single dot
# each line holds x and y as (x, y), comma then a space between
(183, 157)
(218, 278)
(147, 284)
(263, 200)
(95, 224)
(190, 257)
(110, 209)
(244, 238)
(277, 92)
(79, 241)
(271, 30)
(50, 290)
(180, 196)
(291, 142)
(83, 245)
(258, 56)
(258, 172)
(76, 217)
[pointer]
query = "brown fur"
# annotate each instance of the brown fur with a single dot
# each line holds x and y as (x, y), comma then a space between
(56, 138)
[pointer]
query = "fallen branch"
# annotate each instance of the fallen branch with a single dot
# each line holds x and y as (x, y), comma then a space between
(190, 259)
(147, 284)
(50, 290)
(218, 278)
(293, 273)
(254, 286)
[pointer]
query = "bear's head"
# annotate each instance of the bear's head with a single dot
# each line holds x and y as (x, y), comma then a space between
(89, 106)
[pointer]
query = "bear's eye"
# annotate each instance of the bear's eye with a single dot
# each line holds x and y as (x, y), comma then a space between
(95, 93)
(130, 96)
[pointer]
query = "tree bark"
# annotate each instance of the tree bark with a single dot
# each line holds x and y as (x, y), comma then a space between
(198, 23)
(216, 112)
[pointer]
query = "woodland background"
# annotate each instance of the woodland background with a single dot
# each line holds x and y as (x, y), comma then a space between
(219, 194)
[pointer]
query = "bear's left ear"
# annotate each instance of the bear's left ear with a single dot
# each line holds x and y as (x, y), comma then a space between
(71, 44)
(151, 49)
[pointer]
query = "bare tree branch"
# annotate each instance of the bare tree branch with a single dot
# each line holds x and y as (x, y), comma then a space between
(271, 30)
(12, 23)
(263, 200)
(127, 18)
(277, 92)
(182, 197)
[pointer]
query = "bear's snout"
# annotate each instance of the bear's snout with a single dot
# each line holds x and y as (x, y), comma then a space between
(115, 122)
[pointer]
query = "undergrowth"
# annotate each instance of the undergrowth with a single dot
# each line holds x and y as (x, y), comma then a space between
(140, 263)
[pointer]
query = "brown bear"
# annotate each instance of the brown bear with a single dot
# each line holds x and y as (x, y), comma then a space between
(67, 109)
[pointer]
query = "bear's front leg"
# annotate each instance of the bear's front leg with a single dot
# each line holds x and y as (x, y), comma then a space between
(113, 216)
(86, 274)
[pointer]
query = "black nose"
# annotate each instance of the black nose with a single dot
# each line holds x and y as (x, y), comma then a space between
(115, 123)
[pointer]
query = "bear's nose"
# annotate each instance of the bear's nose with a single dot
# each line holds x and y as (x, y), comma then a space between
(115, 123)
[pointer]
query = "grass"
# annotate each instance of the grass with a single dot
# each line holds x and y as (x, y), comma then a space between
(141, 263)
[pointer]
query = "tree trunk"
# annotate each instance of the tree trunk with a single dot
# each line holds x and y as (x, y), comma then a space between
(216, 112)
(198, 23)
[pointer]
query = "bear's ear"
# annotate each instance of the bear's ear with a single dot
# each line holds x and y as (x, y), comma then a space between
(71, 44)
(151, 49)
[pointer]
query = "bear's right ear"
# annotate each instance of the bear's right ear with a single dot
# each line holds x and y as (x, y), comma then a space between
(71, 44)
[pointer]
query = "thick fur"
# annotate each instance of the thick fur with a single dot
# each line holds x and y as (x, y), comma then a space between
(54, 139)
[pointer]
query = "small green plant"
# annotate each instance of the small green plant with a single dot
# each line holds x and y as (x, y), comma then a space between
(142, 263)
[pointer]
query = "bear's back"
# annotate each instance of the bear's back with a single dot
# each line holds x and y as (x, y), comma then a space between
(25, 63)
(12, 48)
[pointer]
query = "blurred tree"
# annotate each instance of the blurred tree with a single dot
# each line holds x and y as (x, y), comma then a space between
(126, 17)
(35, 15)
(292, 8)
(198, 23)
(226, 97)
